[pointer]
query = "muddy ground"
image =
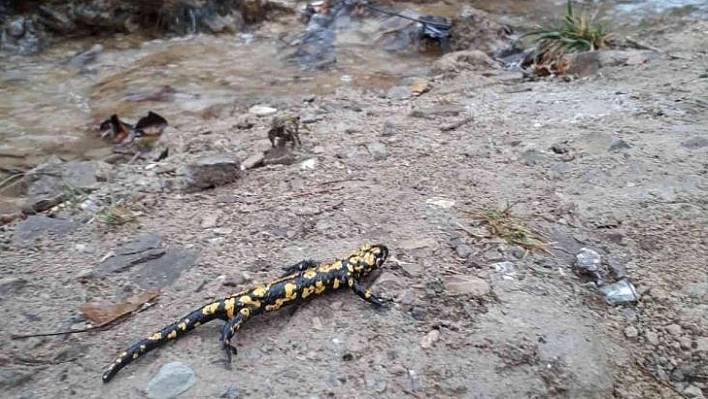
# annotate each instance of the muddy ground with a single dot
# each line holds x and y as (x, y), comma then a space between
(630, 182)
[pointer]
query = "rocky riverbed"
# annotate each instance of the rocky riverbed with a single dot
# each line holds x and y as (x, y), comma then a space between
(608, 163)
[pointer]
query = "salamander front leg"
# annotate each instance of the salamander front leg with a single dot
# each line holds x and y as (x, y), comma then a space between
(230, 328)
(368, 296)
(299, 267)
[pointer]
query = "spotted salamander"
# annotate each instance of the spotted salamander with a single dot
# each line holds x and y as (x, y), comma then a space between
(300, 282)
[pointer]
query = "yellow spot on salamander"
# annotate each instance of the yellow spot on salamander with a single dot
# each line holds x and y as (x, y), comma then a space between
(182, 326)
(142, 348)
(350, 268)
(172, 335)
(245, 312)
(260, 291)
(307, 291)
(230, 305)
(246, 300)
(350, 282)
(332, 266)
(154, 337)
(197, 324)
(335, 284)
(210, 309)
(310, 274)
(367, 294)
(319, 287)
(136, 355)
(290, 291)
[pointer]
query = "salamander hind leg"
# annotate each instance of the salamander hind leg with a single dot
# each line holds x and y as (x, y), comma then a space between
(230, 328)
(368, 296)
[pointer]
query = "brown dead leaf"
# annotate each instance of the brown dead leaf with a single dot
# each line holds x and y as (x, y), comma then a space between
(103, 313)
(419, 87)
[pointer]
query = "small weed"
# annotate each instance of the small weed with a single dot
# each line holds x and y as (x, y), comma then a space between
(575, 33)
(512, 228)
(116, 215)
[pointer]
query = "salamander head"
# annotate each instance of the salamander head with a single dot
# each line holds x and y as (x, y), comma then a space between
(369, 257)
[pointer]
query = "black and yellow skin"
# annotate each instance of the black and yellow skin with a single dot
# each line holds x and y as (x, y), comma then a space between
(299, 283)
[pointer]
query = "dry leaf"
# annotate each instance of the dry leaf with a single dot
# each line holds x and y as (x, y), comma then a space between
(103, 313)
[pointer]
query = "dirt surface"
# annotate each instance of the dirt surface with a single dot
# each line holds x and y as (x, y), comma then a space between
(630, 182)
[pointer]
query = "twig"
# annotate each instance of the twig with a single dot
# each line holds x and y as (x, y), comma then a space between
(2, 183)
(642, 46)
(83, 330)
(664, 383)
(309, 193)
(457, 124)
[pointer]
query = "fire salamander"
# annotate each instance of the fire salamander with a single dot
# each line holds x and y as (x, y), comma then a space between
(300, 282)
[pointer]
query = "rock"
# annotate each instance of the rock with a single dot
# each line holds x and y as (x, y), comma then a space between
(595, 142)
(419, 86)
(253, 161)
(16, 28)
(430, 339)
(461, 248)
(453, 63)
(375, 382)
(279, 156)
(619, 144)
(51, 182)
(695, 143)
(560, 148)
(144, 248)
(262, 110)
(412, 269)
(652, 338)
(438, 110)
(475, 29)
(399, 93)
(588, 260)
(377, 150)
(685, 343)
(693, 391)
(10, 378)
(10, 284)
(466, 285)
(208, 172)
(210, 220)
(170, 381)
(587, 63)
(86, 57)
(418, 313)
(231, 393)
(673, 329)
(165, 270)
(532, 157)
(631, 332)
(36, 226)
(223, 231)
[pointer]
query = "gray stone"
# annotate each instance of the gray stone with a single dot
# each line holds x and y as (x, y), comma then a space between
(696, 142)
(619, 144)
(279, 156)
(652, 338)
(587, 63)
(165, 270)
(412, 269)
(38, 225)
(253, 161)
(377, 150)
(532, 157)
(262, 110)
(693, 391)
(16, 28)
(375, 382)
(10, 378)
(438, 110)
(453, 63)
(208, 172)
(595, 142)
(588, 260)
(673, 329)
(170, 381)
(466, 285)
(10, 284)
(560, 148)
(399, 93)
(631, 332)
(418, 313)
(143, 249)
(231, 393)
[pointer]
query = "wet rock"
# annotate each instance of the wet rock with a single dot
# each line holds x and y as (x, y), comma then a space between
(208, 172)
(231, 393)
(693, 391)
(695, 143)
(10, 284)
(10, 378)
(317, 48)
(86, 57)
(475, 29)
(466, 285)
(170, 381)
(36, 226)
(262, 110)
(377, 150)
(453, 63)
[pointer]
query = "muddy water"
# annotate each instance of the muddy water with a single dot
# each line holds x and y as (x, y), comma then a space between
(49, 106)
